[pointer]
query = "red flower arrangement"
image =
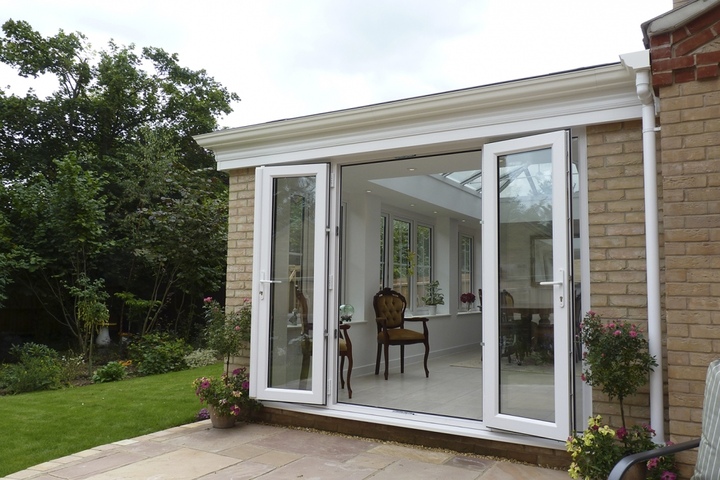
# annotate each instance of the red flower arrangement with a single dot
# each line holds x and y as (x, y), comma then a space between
(467, 297)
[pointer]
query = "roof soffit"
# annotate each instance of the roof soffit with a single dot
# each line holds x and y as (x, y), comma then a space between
(583, 91)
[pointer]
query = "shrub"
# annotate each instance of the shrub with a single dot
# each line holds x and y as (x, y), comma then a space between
(112, 372)
(225, 331)
(201, 358)
(38, 368)
(159, 353)
(72, 367)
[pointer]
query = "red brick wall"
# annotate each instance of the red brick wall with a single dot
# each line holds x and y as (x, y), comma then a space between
(687, 54)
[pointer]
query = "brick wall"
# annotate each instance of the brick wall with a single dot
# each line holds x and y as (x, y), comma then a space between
(688, 53)
(617, 242)
(685, 65)
(240, 236)
(690, 118)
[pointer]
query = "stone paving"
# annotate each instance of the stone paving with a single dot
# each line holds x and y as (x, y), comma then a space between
(198, 451)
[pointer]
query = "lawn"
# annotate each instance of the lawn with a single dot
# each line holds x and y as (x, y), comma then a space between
(41, 426)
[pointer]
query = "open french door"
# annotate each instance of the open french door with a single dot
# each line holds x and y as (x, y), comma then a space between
(526, 254)
(289, 322)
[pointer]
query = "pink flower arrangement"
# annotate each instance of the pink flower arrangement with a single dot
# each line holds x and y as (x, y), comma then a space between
(227, 395)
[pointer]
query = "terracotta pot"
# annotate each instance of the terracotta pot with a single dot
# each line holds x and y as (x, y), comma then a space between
(221, 421)
(636, 472)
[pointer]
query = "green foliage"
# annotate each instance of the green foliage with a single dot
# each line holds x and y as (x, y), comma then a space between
(90, 311)
(433, 296)
(201, 357)
(102, 179)
(54, 424)
(595, 452)
(110, 372)
(616, 358)
(159, 353)
(225, 331)
(38, 368)
(59, 221)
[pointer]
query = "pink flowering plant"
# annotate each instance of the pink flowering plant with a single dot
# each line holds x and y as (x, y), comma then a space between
(616, 357)
(228, 394)
(225, 331)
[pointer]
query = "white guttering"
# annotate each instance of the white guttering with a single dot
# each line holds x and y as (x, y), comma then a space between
(639, 62)
(462, 118)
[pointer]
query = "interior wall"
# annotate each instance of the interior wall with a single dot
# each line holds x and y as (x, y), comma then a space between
(450, 331)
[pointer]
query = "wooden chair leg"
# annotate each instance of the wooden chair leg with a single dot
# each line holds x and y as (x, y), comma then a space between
(342, 366)
(349, 372)
(427, 353)
(402, 358)
(377, 360)
(386, 348)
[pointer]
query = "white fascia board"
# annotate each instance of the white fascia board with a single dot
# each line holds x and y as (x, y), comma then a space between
(464, 118)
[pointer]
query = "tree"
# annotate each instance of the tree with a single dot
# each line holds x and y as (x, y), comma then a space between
(60, 223)
(102, 180)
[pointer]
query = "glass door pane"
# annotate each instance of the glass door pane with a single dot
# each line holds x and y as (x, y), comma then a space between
(526, 259)
(526, 235)
(290, 283)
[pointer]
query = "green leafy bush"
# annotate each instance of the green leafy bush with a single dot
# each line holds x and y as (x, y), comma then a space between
(201, 357)
(38, 368)
(159, 353)
(112, 372)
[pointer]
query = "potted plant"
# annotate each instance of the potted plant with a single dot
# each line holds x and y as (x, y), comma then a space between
(618, 362)
(227, 397)
(433, 297)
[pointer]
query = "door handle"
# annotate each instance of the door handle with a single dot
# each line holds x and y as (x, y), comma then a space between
(560, 283)
(270, 281)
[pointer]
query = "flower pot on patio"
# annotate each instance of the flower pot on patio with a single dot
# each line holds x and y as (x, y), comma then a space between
(221, 421)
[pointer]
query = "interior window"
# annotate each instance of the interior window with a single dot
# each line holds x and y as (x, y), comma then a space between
(401, 257)
(466, 264)
(423, 271)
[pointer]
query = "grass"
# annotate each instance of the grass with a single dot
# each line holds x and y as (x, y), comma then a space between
(42, 426)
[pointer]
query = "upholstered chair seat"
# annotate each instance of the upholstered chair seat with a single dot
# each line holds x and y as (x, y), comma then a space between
(390, 308)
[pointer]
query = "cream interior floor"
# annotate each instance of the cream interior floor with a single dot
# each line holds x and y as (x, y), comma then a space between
(454, 388)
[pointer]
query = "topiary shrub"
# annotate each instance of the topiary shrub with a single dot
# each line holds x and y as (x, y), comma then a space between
(159, 353)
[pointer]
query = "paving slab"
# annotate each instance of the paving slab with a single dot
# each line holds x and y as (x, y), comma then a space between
(264, 452)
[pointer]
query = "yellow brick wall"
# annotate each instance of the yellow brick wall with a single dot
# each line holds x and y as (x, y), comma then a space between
(240, 236)
(617, 242)
(690, 119)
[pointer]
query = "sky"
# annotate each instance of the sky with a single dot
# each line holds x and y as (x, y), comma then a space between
(290, 58)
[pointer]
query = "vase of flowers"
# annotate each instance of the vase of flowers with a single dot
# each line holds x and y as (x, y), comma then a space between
(618, 362)
(227, 398)
(467, 300)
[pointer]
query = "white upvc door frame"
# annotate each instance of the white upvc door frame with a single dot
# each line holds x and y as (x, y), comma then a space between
(262, 286)
(559, 429)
